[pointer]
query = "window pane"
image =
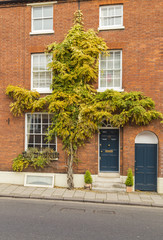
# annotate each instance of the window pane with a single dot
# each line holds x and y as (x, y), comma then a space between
(111, 11)
(103, 74)
(45, 118)
(117, 21)
(52, 146)
(44, 128)
(102, 83)
(117, 55)
(30, 139)
(35, 80)
(117, 82)
(117, 74)
(38, 139)
(37, 12)
(48, 11)
(118, 11)
(44, 139)
(37, 128)
(37, 24)
(117, 64)
(47, 24)
(109, 64)
(103, 64)
(103, 56)
(37, 118)
(110, 21)
(110, 56)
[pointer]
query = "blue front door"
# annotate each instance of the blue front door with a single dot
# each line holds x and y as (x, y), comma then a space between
(146, 167)
(109, 150)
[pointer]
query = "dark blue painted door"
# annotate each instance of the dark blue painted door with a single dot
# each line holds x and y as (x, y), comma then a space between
(146, 167)
(109, 150)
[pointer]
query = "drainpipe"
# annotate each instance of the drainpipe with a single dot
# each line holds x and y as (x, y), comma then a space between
(78, 4)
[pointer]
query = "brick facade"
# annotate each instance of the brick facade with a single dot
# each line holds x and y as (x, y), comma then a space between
(140, 42)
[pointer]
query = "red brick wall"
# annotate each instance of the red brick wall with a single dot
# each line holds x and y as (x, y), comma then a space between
(140, 42)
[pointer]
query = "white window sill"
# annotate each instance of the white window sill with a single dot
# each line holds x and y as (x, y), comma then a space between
(41, 3)
(115, 89)
(111, 28)
(42, 32)
(42, 90)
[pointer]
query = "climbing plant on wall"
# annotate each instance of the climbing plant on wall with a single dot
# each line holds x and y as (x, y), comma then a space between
(77, 107)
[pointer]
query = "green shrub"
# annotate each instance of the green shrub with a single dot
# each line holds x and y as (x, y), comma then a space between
(20, 163)
(87, 177)
(34, 158)
(129, 180)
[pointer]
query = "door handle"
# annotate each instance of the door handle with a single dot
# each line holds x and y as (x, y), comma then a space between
(136, 169)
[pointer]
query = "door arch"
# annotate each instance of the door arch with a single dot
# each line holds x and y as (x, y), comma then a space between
(146, 144)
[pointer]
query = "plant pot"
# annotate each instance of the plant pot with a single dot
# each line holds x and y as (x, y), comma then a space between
(88, 186)
(128, 188)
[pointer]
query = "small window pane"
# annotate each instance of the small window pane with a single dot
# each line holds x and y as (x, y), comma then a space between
(117, 82)
(111, 11)
(118, 21)
(37, 118)
(45, 118)
(104, 12)
(110, 21)
(102, 83)
(103, 65)
(44, 128)
(47, 24)
(117, 64)
(118, 11)
(37, 12)
(110, 56)
(103, 74)
(117, 74)
(48, 11)
(37, 25)
(117, 55)
(37, 128)
(38, 139)
(30, 139)
(44, 139)
(109, 65)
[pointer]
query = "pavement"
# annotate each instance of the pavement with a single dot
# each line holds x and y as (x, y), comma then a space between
(152, 199)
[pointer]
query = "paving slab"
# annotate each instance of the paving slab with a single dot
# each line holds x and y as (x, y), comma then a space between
(48, 192)
(134, 197)
(59, 192)
(123, 197)
(79, 194)
(112, 196)
(90, 196)
(68, 194)
(101, 196)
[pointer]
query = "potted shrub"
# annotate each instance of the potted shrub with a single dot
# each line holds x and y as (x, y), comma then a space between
(129, 181)
(88, 180)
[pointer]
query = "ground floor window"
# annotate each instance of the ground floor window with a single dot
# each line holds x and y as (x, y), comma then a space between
(37, 126)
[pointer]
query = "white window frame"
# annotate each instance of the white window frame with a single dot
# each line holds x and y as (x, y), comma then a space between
(110, 27)
(43, 89)
(33, 32)
(102, 89)
(26, 132)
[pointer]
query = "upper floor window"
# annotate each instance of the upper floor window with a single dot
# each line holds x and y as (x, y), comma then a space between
(42, 19)
(41, 76)
(110, 71)
(111, 17)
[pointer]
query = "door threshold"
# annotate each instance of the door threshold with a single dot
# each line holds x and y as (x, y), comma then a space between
(109, 174)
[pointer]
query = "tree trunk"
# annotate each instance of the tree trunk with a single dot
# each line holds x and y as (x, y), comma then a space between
(70, 181)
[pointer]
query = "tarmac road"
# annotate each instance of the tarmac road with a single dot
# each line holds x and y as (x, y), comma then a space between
(22, 219)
